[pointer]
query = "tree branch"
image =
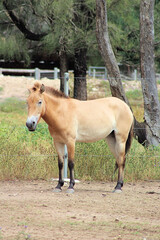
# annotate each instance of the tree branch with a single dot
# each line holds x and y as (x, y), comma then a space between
(21, 25)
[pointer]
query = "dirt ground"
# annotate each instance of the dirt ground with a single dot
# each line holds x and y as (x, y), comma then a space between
(31, 210)
(17, 86)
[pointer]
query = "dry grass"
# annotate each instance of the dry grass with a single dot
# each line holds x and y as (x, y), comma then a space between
(22, 151)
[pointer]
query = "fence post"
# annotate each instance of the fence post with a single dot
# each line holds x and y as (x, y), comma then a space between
(94, 73)
(89, 71)
(37, 74)
(105, 74)
(135, 74)
(66, 78)
(55, 73)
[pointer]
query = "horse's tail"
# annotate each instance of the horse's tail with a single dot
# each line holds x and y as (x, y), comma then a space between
(129, 139)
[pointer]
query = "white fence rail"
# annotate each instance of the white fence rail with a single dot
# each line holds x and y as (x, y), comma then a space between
(93, 71)
(37, 73)
(97, 72)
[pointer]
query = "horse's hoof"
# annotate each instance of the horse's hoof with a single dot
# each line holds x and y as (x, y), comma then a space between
(70, 190)
(57, 190)
(117, 191)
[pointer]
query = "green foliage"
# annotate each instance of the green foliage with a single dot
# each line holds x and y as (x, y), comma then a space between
(14, 48)
(71, 24)
(60, 35)
(124, 29)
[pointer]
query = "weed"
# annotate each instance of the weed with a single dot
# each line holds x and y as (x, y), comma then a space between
(22, 235)
(1, 89)
(1, 237)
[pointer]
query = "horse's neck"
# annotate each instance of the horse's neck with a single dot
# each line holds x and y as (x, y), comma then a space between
(52, 105)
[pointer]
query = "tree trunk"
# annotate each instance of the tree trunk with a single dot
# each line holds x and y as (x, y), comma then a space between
(111, 64)
(63, 68)
(149, 86)
(80, 68)
(107, 52)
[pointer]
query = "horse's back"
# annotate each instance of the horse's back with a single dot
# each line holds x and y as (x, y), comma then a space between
(96, 119)
(110, 107)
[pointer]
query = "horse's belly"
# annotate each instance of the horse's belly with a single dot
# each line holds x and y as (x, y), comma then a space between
(92, 135)
(95, 127)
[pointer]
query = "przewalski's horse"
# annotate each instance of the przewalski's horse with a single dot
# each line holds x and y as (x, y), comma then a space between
(70, 120)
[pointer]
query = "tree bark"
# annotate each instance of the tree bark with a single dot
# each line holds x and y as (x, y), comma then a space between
(63, 68)
(107, 52)
(111, 64)
(149, 86)
(80, 68)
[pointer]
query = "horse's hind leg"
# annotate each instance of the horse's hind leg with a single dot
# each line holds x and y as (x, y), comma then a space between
(120, 161)
(111, 141)
(71, 151)
(117, 147)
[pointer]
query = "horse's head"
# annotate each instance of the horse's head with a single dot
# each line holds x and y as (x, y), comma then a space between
(36, 105)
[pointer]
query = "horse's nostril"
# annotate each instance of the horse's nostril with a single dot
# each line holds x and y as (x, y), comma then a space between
(27, 124)
(31, 123)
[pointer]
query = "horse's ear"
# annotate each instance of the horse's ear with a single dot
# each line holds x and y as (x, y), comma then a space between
(29, 90)
(42, 89)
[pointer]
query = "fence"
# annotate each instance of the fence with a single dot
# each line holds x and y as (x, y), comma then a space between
(93, 71)
(36, 73)
(97, 72)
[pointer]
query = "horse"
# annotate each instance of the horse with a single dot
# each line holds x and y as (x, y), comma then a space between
(70, 120)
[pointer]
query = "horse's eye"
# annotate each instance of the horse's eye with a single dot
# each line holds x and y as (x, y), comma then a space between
(40, 102)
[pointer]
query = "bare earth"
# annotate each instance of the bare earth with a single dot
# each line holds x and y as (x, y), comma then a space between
(17, 86)
(31, 210)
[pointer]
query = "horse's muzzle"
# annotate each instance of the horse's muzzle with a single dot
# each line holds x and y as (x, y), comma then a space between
(31, 123)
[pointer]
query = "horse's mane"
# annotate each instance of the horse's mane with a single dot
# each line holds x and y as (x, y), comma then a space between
(55, 92)
(50, 90)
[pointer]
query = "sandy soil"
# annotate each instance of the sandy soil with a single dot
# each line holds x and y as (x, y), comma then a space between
(30, 210)
(17, 86)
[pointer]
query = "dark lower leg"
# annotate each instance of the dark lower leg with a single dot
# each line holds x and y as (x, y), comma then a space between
(71, 169)
(61, 181)
(120, 178)
(119, 185)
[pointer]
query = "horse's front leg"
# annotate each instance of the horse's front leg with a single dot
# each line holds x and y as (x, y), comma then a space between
(60, 150)
(71, 151)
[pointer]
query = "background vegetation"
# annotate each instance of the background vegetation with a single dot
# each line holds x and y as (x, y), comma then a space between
(68, 25)
(31, 155)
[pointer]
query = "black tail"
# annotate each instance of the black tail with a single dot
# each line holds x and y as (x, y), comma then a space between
(129, 139)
